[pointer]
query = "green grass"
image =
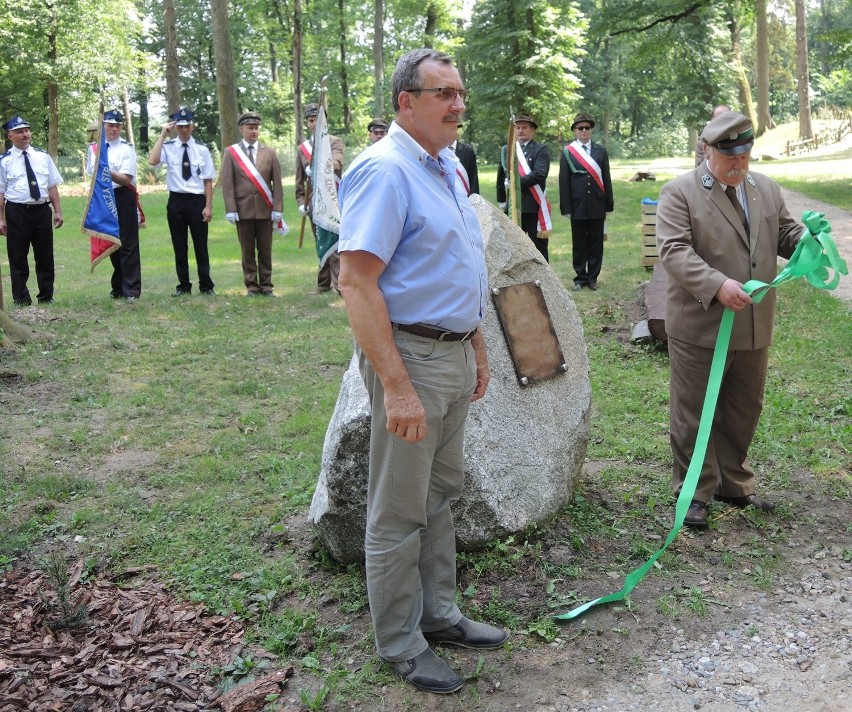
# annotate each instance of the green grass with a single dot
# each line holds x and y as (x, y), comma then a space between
(187, 434)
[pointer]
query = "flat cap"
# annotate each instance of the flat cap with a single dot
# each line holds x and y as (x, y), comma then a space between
(377, 124)
(583, 117)
(729, 133)
(16, 122)
(248, 117)
(182, 117)
(113, 116)
(311, 110)
(527, 118)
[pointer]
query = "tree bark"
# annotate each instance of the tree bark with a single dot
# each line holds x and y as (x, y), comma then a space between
(344, 81)
(52, 89)
(744, 88)
(802, 73)
(172, 68)
(764, 119)
(226, 85)
(297, 70)
(378, 59)
(128, 117)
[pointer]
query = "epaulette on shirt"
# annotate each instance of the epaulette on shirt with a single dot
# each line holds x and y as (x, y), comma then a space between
(5, 155)
(171, 140)
(200, 143)
(40, 150)
(127, 143)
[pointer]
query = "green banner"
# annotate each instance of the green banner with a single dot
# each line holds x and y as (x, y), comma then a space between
(815, 254)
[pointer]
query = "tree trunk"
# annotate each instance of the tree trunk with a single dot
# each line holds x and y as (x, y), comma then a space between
(744, 88)
(431, 22)
(378, 59)
(344, 82)
(764, 120)
(297, 70)
(172, 69)
(226, 85)
(142, 98)
(802, 73)
(128, 118)
(52, 90)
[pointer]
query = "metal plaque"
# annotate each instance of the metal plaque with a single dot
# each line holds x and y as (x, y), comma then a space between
(529, 332)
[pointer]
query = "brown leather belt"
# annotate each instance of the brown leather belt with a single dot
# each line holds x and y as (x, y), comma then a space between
(431, 332)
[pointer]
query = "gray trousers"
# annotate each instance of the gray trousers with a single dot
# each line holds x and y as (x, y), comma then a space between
(410, 540)
(726, 470)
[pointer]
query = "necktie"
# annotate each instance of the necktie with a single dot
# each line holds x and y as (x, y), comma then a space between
(35, 193)
(187, 170)
(731, 192)
(586, 147)
(251, 153)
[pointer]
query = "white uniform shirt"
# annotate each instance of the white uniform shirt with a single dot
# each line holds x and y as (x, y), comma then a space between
(200, 162)
(14, 184)
(121, 156)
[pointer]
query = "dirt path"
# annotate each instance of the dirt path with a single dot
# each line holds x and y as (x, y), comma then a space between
(841, 230)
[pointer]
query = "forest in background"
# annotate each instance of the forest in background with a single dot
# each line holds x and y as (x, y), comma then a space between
(650, 71)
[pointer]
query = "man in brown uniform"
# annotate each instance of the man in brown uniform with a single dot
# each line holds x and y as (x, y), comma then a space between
(251, 187)
(718, 227)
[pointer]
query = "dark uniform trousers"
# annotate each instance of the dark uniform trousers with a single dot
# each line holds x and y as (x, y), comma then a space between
(126, 265)
(529, 224)
(26, 225)
(183, 212)
(587, 247)
(256, 236)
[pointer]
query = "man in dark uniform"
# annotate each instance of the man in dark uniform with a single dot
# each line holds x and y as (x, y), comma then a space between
(126, 265)
(327, 273)
(718, 227)
(189, 176)
(535, 212)
(28, 187)
(467, 158)
(378, 129)
(585, 196)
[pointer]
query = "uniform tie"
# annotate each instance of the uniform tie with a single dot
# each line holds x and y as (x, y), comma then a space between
(731, 192)
(586, 147)
(187, 170)
(35, 193)
(251, 153)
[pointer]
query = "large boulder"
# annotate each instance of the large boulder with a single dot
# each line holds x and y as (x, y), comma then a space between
(524, 445)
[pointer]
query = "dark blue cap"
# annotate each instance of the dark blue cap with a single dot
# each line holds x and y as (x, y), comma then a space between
(16, 122)
(113, 116)
(183, 117)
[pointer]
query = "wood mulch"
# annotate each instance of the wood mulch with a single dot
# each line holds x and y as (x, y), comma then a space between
(138, 648)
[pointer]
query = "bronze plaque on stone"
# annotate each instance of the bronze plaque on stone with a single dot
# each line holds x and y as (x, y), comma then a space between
(529, 332)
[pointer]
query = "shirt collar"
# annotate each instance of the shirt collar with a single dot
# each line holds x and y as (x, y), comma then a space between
(414, 149)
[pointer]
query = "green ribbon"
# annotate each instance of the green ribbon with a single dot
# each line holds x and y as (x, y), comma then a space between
(815, 254)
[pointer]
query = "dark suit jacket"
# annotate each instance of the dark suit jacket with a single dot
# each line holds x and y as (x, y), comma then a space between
(467, 157)
(702, 243)
(579, 194)
(538, 158)
(241, 196)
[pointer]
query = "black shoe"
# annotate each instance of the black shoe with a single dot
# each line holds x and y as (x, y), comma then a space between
(267, 294)
(182, 293)
(114, 295)
(208, 292)
(696, 515)
(250, 293)
(48, 300)
(23, 302)
(593, 286)
(469, 634)
(577, 287)
(427, 672)
(750, 500)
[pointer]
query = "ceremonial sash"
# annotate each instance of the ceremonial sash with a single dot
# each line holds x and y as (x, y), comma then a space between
(545, 226)
(307, 150)
(590, 165)
(257, 180)
(462, 173)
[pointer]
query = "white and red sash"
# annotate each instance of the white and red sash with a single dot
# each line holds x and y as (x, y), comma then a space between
(545, 226)
(575, 149)
(257, 180)
(307, 149)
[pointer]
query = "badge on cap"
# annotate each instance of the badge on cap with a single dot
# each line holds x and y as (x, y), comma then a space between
(184, 117)
(16, 122)
(113, 117)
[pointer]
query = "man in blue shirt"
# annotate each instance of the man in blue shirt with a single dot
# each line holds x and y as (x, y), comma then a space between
(413, 276)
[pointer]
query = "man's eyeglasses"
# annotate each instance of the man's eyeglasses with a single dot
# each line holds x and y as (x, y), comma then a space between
(584, 128)
(444, 93)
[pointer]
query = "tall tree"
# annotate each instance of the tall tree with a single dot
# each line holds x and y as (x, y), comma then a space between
(803, 84)
(226, 87)
(297, 70)
(378, 59)
(764, 119)
(344, 80)
(172, 66)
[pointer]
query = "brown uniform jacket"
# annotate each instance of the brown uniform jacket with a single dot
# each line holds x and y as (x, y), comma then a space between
(702, 243)
(301, 162)
(239, 192)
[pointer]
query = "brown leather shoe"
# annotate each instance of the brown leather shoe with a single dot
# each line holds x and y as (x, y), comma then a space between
(696, 515)
(750, 500)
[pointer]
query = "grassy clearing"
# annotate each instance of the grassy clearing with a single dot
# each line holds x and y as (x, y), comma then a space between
(187, 433)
